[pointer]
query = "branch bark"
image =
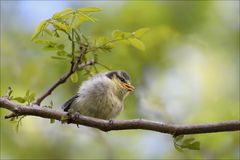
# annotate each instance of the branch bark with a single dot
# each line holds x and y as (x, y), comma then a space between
(105, 125)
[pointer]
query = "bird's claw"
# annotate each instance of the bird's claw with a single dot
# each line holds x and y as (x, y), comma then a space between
(71, 117)
(76, 116)
(111, 121)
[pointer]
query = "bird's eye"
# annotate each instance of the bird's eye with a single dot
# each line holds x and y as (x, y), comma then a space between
(122, 79)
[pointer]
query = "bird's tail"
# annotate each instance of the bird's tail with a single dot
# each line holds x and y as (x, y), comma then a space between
(67, 105)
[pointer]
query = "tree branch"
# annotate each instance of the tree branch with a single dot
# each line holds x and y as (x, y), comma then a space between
(106, 125)
(74, 67)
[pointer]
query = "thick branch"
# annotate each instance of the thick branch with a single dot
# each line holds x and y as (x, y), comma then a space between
(105, 125)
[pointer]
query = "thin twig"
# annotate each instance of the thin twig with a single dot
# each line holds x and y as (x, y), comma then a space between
(62, 80)
(105, 125)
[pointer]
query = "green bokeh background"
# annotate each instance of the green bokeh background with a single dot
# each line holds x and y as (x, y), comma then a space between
(188, 74)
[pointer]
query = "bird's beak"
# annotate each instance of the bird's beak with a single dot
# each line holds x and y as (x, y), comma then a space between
(128, 86)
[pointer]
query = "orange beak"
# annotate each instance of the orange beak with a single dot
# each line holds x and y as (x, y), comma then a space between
(128, 87)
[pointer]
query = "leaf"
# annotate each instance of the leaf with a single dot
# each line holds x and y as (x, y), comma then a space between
(64, 118)
(178, 148)
(117, 34)
(194, 146)
(99, 41)
(40, 27)
(58, 58)
(51, 104)
(137, 43)
(76, 22)
(60, 46)
(19, 99)
(31, 97)
(61, 53)
(83, 17)
(187, 141)
(55, 33)
(178, 138)
(27, 94)
(10, 92)
(43, 41)
(62, 26)
(109, 45)
(88, 10)
(138, 33)
(74, 77)
(49, 48)
(48, 31)
(52, 120)
(61, 13)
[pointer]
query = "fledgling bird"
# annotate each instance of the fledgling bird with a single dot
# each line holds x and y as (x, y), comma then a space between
(102, 96)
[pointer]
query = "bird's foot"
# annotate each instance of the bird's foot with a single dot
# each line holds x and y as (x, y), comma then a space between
(71, 117)
(75, 117)
(110, 121)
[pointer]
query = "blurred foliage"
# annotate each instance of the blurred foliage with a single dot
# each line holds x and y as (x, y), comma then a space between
(188, 73)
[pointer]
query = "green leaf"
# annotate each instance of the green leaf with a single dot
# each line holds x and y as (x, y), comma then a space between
(99, 41)
(49, 48)
(51, 104)
(48, 32)
(60, 25)
(76, 21)
(19, 99)
(83, 17)
(60, 46)
(74, 77)
(137, 43)
(88, 10)
(43, 41)
(58, 58)
(55, 33)
(178, 148)
(187, 141)
(10, 92)
(61, 13)
(178, 138)
(52, 120)
(40, 27)
(117, 34)
(64, 118)
(138, 33)
(61, 53)
(109, 46)
(194, 146)
(31, 97)
(27, 94)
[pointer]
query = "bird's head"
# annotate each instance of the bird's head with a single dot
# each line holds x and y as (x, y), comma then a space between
(121, 81)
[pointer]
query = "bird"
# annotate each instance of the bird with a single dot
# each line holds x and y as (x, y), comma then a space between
(102, 96)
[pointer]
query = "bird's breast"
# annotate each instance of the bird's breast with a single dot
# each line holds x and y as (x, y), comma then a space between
(98, 100)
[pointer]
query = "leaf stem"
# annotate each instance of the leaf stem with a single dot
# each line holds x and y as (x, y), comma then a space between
(73, 45)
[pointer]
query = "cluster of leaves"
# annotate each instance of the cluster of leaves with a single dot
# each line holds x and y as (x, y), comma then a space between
(68, 22)
(181, 143)
(65, 22)
(28, 98)
(132, 38)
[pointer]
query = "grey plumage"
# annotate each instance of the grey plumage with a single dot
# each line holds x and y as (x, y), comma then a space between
(102, 96)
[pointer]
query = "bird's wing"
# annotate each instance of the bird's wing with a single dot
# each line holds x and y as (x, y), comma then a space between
(66, 106)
